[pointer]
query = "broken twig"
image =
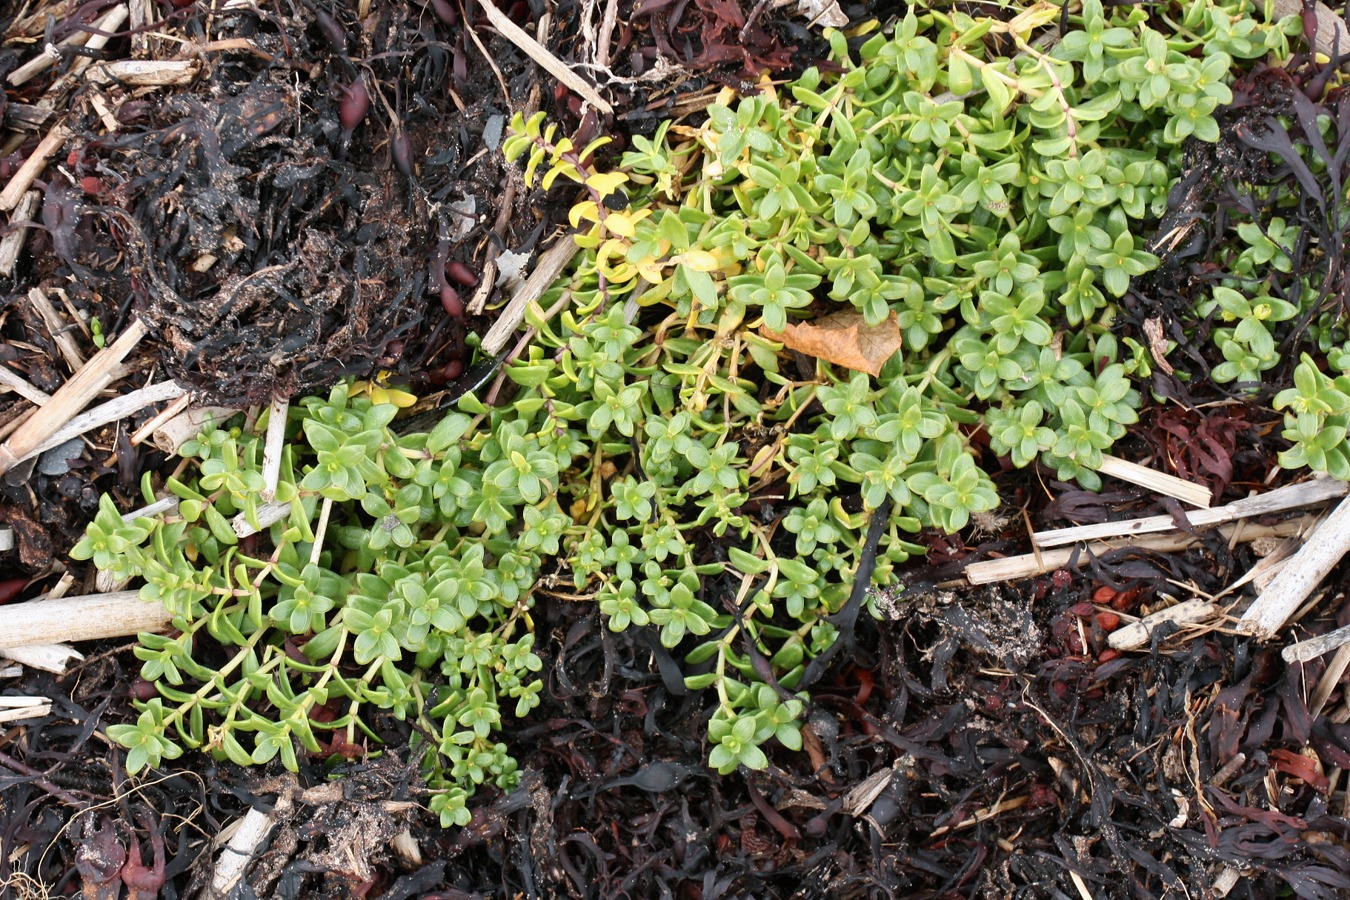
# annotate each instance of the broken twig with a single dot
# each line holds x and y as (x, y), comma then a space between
(540, 54)
(82, 387)
(86, 618)
(1158, 482)
(1301, 574)
(1293, 496)
(1137, 634)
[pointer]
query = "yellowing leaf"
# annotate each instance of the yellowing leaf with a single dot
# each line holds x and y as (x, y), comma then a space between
(587, 210)
(698, 260)
(401, 399)
(606, 183)
(650, 270)
(845, 339)
(624, 224)
(379, 391)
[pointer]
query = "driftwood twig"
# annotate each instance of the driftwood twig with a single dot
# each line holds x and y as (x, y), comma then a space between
(115, 409)
(1137, 634)
(991, 571)
(32, 167)
(72, 397)
(1301, 574)
(540, 54)
(86, 618)
(1293, 496)
(547, 268)
(1158, 482)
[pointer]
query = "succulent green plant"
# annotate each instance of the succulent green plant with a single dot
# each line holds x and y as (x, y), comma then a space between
(688, 473)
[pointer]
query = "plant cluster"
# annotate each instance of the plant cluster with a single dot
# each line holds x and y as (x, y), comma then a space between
(388, 582)
(687, 472)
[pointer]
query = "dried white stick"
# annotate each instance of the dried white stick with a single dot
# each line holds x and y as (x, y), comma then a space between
(1301, 573)
(539, 53)
(250, 834)
(144, 72)
(187, 425)
(1011, 568)
(273, 444)
(11, 245)
(324, 512)
(162, 505)
(85, 618)
(547, 269)
(61, 335)
(109, 24)
(142, 14)
(607, 24)
(1137, 634)
(47, 657)
(13, 709)
(1316, 646)
(1158, 482)
(114, 410)
(158, 420)
(1291, 496)
(32, 167)
(1331, 679)
(111, 21)
(23, 388)
(269, 514)
(6, 539)
(72, 397)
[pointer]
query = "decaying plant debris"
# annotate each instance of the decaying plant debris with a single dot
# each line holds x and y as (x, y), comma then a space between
(981, 741)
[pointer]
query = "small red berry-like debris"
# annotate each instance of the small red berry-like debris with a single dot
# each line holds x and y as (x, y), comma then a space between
(461, 274)
(354, 106)
(454, 307)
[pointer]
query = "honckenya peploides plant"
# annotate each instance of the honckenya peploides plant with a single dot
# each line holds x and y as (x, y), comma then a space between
(689, 472)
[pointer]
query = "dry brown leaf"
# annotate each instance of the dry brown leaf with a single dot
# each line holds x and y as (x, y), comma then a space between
(845, 339)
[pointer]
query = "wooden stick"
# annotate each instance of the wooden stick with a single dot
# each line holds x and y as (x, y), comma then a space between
(28, 116)
(319, 532)
(1028, 564)
(47, 657)
(65, 342)
(1292, 496)
(1300, 575)
(14, 709)
(11, 245)
(1158, 482)
(23, 388)
(50, 56)
(269, 514)
(539, 53)
(157, 421)
(273, 445)
(32, 167)
(85, 618)
(187, 425)
(114, 410)
(83, 386)
(144, 72)
(249, 834)
(109, 24)
(1137, 634)
(546, 271)
(1316, 646)
(1331, 679)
